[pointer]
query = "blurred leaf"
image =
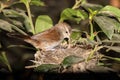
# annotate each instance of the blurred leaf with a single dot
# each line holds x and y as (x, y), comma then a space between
(4, 60)
(93, 7)
(27, 24)
(43, 23)
(116, 37)
(117, 25)
(111, 11)
(25, 1)
(18, 30)
(114, 48)
(15, 14)
(72, 59)
(116, 59)
(33, 2)
(12, 13)
(4, 25)
(74, 15)
(46, 67)
(37, 3)
(75, 35)
(17, 23)
(106, 24)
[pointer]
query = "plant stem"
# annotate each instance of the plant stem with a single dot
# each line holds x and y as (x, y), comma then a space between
(77, 4)
(30, 17)
(91, 31)
(92, 53)
(91, 15)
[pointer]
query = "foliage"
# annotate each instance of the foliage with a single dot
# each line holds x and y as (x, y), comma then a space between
(27, 20)
(105, 20)
(4, 60)
(74, 15)
(46, 68)
(67, 62)
(45, 21)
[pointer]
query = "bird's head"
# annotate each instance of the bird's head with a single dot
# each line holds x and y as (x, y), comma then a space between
(65, 30)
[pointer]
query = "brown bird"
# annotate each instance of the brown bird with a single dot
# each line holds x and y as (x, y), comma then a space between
(49, 39)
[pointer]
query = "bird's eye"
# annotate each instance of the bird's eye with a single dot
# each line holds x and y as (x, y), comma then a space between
(66, 32)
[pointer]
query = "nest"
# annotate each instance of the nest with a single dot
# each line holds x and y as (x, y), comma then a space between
(60, 53)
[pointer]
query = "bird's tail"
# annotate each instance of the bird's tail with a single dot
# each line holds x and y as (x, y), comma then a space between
(25, 38)
(18, 36)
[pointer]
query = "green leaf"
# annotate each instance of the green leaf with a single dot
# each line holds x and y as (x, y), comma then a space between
(72, 59)
(25, 1)
(116, 38)
(116, 59)
(93, 7)
(15, 14)
(17, 23)
(117, 25)
(27, 24)
(74, 15)
(75, 35)
(106, 24)
(3, 59)
(18, 30)
(12, 13)
(43, 23)
(46, 67)
(114, 48)
(4, 25)
(37, 3)
(111, 11)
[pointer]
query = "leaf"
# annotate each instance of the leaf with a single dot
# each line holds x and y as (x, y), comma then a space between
(72, 59)
(106, 24)
(17, 23)
(117, 23)
(25, 1)
(12, 13)
(110, 10)
(116, 37)
(4, 60)
(116, 59)
(27, 24)
(74, 15)
(93, 7)
(114, 48)
(37, 3)
(15, 14)
(4, 25)
(46, 67)
(43, 23)
(75, 35)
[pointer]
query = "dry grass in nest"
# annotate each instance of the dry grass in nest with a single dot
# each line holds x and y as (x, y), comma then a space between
(57, 56)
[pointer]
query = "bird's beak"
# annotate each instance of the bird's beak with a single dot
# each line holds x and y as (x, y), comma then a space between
(67, 39)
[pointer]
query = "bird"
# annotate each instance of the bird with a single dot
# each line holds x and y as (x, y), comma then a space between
(50, 38)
